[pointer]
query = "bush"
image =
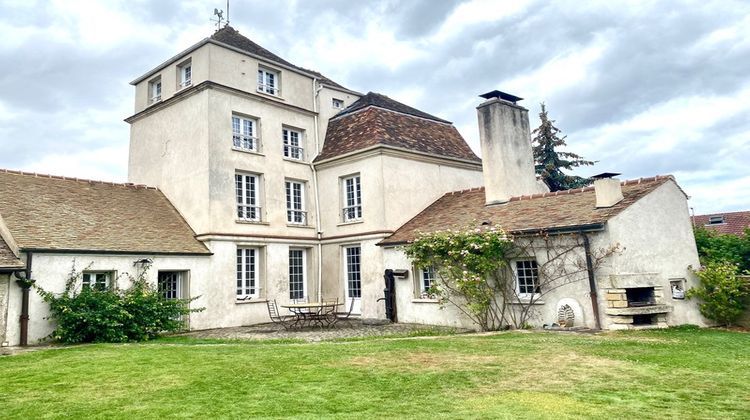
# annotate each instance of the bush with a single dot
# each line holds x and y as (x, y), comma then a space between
(723, 293)
(86, 315)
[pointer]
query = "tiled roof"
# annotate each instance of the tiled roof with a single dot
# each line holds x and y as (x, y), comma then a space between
(539, 212)
(374, 125)
(7, 258)
(734, 222)
(56, 213)
(230, 36)
(382, 101)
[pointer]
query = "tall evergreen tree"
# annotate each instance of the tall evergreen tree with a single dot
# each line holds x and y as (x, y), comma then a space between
(549, 163)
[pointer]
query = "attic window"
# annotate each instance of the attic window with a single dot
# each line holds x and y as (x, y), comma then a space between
(716, 220)
(185, 74)
(154, 89)
(337, 103)
(268, 81)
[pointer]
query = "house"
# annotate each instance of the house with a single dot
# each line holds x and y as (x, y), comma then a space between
(647, 220)
(106, 231)
(269, 181)
(733, 223)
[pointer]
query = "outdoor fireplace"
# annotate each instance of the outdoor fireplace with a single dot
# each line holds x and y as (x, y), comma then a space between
(636, 307)
(640, 296)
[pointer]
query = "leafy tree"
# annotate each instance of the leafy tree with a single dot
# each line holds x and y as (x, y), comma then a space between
(717, 247)
(724, 295)
(549, 162)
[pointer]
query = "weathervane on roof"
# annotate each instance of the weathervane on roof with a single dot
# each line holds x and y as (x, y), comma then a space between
(220, 17)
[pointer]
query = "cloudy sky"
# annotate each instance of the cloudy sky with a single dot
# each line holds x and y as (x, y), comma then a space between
(644, 88)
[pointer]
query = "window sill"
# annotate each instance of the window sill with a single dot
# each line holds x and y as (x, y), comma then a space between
(292, 160)
(269, 95)
(252, 222)
(293, 225)
(420, 300)
(250, 301)
(526, 302)
(252, 152)
(352, 222)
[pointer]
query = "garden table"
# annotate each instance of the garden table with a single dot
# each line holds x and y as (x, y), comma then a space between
(321, 313)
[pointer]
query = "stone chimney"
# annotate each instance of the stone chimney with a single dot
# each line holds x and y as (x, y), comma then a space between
(608, 189)
(507, 158)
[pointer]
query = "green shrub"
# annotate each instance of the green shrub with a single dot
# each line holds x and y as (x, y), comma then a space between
(723, 293)
(85, 315)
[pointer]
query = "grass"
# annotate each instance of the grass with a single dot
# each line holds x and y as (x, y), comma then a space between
(678, 373)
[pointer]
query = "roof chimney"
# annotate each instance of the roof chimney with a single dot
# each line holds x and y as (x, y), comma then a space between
(507, 158)
(608, 189)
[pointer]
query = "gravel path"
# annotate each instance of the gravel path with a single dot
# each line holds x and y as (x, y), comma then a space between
(356, 329)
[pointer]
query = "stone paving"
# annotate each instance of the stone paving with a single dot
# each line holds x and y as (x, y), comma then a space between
(352, 329)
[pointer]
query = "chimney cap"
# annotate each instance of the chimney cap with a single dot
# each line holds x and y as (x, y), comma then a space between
(605, 175)
(501, 95)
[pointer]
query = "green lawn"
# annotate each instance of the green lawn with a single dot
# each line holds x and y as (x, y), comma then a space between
(653, 374)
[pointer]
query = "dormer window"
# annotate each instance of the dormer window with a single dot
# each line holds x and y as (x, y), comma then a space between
(268, 81)
(185, 74)
(337, 103)
(716, 220)
(154, 89)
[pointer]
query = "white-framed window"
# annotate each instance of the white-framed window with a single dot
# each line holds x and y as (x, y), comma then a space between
(352, 195)
(247, 192)
(293, 144)
(185, 74)
(245, 133)
(353, 271)
(98, 280)
(426, 281)
(247, 273)
(295, 203)
(527, 278)
(268, 81)
(715, 220)
(169, 284)
(154, 90)
(337, 103)
(297, 270)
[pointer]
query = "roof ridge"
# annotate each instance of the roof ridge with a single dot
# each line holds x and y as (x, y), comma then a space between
(723, 213)
(83, 180)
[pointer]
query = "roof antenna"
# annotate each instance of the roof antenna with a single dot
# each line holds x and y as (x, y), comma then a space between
(227, 24)
(219, 17)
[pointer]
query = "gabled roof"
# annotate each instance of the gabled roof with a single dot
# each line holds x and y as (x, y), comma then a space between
(8, 259)
(734, 223)
(232, 37)
(569, 209)
(45, 212)
(378, 120)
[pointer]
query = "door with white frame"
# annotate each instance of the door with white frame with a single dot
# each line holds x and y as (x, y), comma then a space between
(353, 278)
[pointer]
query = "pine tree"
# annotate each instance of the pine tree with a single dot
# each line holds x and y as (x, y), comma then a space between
(549, 163)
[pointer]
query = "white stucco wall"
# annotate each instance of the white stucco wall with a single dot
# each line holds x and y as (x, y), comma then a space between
(51, 271)
(4, 290)
(657, 236)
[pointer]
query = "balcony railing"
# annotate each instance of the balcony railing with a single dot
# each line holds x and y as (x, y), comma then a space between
(262, 87)
(248, 213)
(185, 83)
(244, 142)
(352, 213)
(294, 152)
(296, 217)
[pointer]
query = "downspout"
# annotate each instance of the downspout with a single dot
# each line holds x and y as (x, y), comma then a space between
(592, 280)
(316, 92)
(25, 283)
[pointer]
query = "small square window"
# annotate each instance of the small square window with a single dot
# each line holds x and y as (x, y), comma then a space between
(98, 280)
(527, 278)
(337, 103)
